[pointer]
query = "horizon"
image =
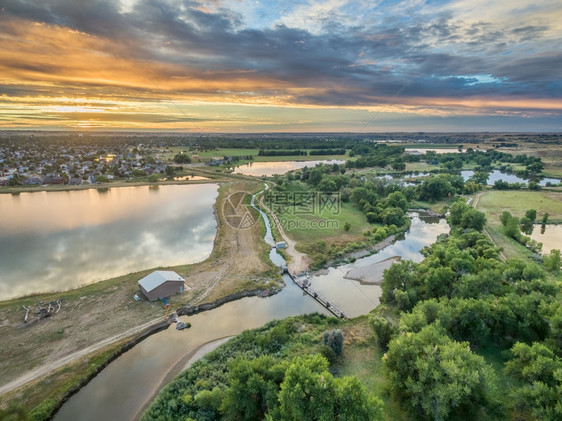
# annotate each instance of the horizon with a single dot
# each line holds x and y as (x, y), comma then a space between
(222, 67)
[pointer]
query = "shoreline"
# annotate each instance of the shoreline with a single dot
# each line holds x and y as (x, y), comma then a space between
(118, 184)
(182, 364)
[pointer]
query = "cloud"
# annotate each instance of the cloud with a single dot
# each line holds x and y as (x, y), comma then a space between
(330, 53)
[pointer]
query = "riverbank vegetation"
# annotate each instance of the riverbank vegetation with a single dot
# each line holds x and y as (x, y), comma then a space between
(461, 334)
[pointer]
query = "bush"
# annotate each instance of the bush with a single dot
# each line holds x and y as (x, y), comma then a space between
(334, 340)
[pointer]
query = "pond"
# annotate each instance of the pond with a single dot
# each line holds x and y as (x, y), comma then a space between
(438, 151)
(496, 175)
(257, 169)
(61, 240)
(125, 386)
(550, 237)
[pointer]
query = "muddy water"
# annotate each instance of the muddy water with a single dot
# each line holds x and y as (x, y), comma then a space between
(61, 240)
(128, 383)
(550, 237)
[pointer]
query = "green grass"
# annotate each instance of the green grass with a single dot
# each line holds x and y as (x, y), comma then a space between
(325, 224)
(494, 202)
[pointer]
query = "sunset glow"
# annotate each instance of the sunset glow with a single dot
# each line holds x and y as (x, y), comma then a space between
(257, 66)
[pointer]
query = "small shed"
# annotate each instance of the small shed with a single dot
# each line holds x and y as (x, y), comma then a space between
(160, 284)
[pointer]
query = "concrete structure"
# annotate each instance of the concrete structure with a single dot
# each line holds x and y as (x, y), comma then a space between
(160, 284)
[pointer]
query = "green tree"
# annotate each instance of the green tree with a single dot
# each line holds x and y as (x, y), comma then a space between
(504, 217)
(436, 375)
(526, 225)
(254, 386)
(512, 228)
(346, 226)
(334, 340)
(310, 392)
(540, 372)
(384, 331)
(393, 216)
(169, 171)
(182, 158)
(552, 261)
(531, 214)
(398, 200)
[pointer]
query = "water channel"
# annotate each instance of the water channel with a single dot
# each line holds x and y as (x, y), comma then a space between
(126, 385)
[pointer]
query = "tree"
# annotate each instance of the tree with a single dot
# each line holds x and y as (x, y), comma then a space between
(540, 371)
(327, 185)
(393, 216)
(182, 158)
(552, 261)
(512, 228)
(504, 217)
(383, 330)
(436, 375)
(346, 226)
(526, 225)
(169, 171)
(254, 386)
(334, 340)
(398, 200)
(315, 176)
(531, 214)
(310, 392)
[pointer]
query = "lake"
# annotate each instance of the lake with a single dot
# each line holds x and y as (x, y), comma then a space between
(257, 169)
(61, 240)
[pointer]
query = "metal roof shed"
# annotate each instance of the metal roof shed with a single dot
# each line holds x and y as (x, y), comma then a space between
(160, 284)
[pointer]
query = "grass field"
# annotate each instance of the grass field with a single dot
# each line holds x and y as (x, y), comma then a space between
(494, 202)
(326, 225)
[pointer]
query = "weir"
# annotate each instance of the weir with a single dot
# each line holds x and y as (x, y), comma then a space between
(302, 280)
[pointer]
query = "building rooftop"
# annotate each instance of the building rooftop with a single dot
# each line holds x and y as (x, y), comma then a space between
(157, 278)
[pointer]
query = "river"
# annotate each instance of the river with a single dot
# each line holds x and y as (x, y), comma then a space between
(61, 240)
(126, 385)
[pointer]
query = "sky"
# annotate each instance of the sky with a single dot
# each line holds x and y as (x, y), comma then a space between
(281, 66)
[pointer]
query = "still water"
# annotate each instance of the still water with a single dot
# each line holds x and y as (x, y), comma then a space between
(496, 175)
(551, 237)
(61, 240)
(257, 169)
(122, 389)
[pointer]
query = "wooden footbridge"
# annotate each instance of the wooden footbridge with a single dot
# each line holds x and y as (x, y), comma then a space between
(303, 281)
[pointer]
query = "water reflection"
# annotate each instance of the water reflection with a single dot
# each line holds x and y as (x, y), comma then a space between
(355, 298)
(550, 236)
(257, 169)
(496, 175)
(60, 240)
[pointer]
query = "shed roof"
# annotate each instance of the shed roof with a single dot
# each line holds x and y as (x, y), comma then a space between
(157, 278)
